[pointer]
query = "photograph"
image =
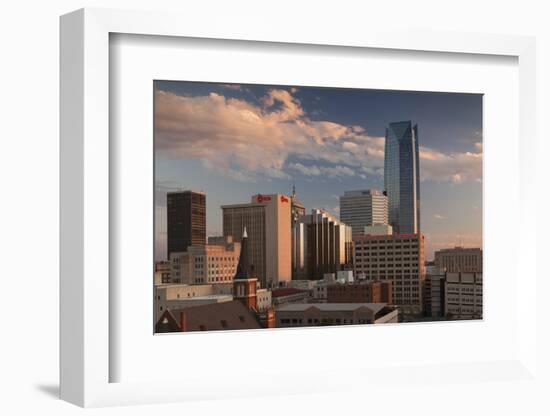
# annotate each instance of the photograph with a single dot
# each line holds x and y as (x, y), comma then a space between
(287, 206)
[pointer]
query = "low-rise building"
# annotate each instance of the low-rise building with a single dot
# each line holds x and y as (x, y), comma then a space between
(212, 317)
(464, 295)
(264, 301)
(178, 296)
(162, 272)
(361, 292)
(322, 314)
(289, 295)
(212, 263)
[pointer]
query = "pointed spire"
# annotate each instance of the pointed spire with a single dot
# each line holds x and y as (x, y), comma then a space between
(243, 268)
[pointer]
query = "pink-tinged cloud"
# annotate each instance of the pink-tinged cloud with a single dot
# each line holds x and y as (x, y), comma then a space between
(453, 167)
(245, 140)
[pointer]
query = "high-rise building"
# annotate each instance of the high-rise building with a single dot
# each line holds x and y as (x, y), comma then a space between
(363, 208)
(297, 208)
(401, 177)
(323, 244)
(186, 220)
(398, 258)
(460, 259)
(267, 219)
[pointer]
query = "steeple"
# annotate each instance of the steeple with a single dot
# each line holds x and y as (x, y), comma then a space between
(244, 283)
(243, 268)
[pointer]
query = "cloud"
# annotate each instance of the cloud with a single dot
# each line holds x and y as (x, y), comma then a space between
(450, 167)
(330, 171)
(439, 217)
(247, 140)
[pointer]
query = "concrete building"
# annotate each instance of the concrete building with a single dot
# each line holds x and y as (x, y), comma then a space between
(162, 272)
(181, 291)
(267, 219)
(397, 258)
(186, 220)
(323, 244)
(344, 276)
(362, 208)
(323, 314)
(264, 300)
(464, 295)
(206, 264)
(177, 296)
(378, 229)
(460, 259)
(361, 292)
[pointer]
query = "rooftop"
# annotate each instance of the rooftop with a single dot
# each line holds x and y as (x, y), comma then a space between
(215, 316)
(330, 307)
(286, 291)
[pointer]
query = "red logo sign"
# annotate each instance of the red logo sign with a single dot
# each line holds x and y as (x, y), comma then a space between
(284, 198)
(261, 198)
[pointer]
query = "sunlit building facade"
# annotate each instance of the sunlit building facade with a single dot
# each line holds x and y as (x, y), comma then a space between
(363, 208)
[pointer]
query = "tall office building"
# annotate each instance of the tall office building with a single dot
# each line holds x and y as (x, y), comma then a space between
(363, 208)
(267, 219)
(186, 220)
(322, 244)
(297, 208)
(401, 177)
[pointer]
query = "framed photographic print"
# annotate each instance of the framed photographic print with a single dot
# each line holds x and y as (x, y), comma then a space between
(291, 208)
(242, 251)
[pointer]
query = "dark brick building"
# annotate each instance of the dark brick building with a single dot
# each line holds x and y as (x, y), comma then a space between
(361, 292)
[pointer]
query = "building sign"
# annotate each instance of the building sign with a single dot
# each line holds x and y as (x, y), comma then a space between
(284, 198)
(261, 198)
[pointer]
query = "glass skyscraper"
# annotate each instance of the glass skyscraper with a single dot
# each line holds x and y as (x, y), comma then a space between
(401, 177)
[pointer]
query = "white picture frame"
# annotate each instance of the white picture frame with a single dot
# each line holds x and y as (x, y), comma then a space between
(86, 291)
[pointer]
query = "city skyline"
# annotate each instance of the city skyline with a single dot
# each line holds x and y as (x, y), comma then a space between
(233, 141)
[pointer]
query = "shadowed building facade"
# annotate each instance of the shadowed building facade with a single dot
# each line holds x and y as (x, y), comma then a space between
(322, 244)
(401, 177)
(186, 220)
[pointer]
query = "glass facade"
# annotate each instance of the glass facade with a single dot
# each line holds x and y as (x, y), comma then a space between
(401, 177)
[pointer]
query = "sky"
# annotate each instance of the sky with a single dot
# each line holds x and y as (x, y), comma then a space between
(236, 140)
